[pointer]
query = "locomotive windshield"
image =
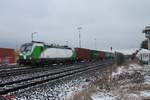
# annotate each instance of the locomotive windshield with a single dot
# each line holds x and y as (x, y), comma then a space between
(26, 47)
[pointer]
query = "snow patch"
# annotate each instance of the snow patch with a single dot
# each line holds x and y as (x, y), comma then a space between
(145, 93)
(103, 96)
(118, 71)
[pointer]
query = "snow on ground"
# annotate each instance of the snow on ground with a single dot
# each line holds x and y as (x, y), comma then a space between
(131, 83)
(128, 82)
(58, 90)
(118, 71)
(127, 51)
(103, 96)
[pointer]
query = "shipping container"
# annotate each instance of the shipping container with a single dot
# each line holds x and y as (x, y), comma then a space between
(95, 55)
(7, 56)
(16, 55)
(82, 53)
(109, 55)
(102, 55)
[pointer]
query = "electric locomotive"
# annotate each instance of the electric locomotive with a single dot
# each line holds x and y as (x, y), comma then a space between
(40, 53)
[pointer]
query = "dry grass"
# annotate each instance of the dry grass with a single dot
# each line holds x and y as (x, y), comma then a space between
(103, 81)
(139, 87)
(85, 94)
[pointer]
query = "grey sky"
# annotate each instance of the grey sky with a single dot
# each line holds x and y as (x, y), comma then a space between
(116, 23)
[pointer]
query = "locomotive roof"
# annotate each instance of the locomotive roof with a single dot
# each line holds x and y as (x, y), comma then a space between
(38, 42)
(53, 45)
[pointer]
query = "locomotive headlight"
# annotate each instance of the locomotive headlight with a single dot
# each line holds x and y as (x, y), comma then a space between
(20, 54)
(25, 57)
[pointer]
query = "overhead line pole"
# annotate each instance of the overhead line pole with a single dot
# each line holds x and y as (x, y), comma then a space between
(79, 29)
(32, 36)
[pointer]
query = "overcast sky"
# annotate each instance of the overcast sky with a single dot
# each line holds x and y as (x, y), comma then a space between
(116, 23)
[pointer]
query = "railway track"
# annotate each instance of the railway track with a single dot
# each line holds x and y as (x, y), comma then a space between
(54, 71)
(13, 86)
(11, 68)
(14, 72)
(28, 70)
(14, 77)
(7, 67)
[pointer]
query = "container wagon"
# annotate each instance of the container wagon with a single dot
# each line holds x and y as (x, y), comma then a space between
(102, 55)
(109, 55)
(95, 55)
(7, 56)
(16, 55)
(82, 54)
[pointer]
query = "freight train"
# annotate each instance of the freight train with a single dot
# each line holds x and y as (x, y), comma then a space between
(39, 53)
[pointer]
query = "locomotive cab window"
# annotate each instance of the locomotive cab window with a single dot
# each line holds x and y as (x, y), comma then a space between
(26, 48)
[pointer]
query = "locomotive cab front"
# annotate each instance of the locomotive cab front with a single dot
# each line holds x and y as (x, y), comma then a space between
(30, 53)
(25, 53)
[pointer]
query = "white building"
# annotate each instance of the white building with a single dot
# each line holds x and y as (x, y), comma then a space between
(144, 56)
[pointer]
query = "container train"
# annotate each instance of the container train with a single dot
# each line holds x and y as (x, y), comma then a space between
(39, 53)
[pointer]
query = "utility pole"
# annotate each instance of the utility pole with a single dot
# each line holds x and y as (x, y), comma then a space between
(32, 36)
(66, 43)
(79, 29)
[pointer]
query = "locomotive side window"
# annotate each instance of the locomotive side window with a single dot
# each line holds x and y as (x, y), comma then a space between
(22, 48)
(26, 47)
